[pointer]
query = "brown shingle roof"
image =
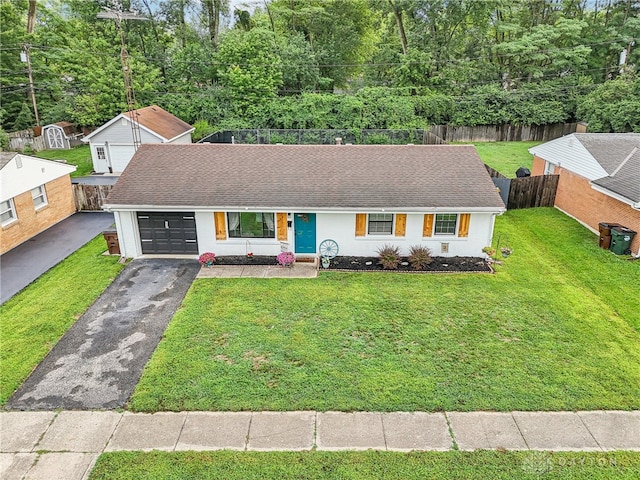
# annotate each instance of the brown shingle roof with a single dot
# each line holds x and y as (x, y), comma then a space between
(161, 122)
(307, 176)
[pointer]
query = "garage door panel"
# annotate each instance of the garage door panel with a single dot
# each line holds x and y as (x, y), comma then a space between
(168, 232)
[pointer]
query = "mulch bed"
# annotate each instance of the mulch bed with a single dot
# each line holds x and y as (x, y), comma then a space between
(370, 264)
(438, 264)
(244, 260)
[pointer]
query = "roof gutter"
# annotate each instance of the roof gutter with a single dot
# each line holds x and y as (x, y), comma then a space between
(236, 208)
(628, 201)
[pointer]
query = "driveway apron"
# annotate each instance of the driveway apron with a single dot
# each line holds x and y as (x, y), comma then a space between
(98, 362)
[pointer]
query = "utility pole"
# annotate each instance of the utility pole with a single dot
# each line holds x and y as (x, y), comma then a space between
(119, 16)
(26, 57)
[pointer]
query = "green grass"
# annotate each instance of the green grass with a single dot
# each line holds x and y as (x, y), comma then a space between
(506, 157)
(366, 465)
(556, 329)
(35, 318)
(80, 156)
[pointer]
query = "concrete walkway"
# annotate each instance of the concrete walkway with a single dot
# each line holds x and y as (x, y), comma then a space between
(66, 444)
(298, 270)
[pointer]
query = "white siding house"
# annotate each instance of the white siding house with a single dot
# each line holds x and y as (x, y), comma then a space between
(235, 199)
(112, 144)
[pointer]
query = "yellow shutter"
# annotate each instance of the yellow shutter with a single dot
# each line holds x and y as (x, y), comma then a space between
(281, 219)
(361, 224)
(221, 225)
(401, 224)
(463, 227)
(427, 226)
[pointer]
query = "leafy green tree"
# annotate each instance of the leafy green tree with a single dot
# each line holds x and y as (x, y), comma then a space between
(613, 106)
(248, 65)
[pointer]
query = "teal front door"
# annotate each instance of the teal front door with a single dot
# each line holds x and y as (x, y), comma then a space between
(304, 225)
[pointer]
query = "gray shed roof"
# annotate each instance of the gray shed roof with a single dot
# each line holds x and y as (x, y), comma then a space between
(310, 177)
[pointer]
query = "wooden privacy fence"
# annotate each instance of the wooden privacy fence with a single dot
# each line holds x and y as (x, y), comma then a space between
(498, 133)
(90, 197)
(525, 192)
(25, 140)
(529, 192)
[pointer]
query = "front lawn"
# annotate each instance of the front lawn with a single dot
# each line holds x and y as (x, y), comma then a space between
(506, 157)
(35, 318)
(80, 156)
(480, 465)
(556, 329)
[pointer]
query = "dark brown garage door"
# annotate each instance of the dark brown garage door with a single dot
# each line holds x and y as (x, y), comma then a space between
(168, 232)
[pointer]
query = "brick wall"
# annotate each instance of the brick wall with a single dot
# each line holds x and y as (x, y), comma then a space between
(538, 166)
(31, 221)
(576, 197)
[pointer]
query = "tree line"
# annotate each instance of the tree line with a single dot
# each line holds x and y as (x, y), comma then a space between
(327, 63)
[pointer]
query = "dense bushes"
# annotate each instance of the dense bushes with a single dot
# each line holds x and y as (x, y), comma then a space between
(391, 108)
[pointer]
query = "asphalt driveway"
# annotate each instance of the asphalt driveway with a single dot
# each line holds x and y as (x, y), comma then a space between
(18, 267)
(98, 362)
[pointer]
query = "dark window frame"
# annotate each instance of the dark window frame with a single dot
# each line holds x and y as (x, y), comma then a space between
(268, 231)
(445, 224)
(380, 226)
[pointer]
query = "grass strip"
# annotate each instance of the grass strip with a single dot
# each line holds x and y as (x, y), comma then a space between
(35, 318)
(488, 465)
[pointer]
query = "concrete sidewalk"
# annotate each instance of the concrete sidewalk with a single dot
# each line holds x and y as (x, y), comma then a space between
(298, 270)
(66, 444)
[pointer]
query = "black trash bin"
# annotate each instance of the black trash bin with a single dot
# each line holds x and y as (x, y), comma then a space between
(605, 233)
(621, 238)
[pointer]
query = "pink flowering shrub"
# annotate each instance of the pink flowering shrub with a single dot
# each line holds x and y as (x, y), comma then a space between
(207, 258)
(286, 258)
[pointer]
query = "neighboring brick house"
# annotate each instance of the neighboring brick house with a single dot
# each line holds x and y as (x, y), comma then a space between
(599, 177)
(34, 195)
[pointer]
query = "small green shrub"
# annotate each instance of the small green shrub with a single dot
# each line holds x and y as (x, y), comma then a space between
(389, 257)
(419, 257)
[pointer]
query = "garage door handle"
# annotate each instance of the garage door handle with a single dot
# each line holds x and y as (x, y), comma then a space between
(166, 224)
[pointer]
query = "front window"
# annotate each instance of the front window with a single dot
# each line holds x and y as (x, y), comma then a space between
(380, 223)
(100, 153)
(446, 223)
(39, 196)
(251, 225)
(7, 212)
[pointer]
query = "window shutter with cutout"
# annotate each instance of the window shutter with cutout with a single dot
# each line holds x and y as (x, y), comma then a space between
(401, 224)
(221, 225)
(282, 225)
(463, 226)
(361, 224)
(427, 226)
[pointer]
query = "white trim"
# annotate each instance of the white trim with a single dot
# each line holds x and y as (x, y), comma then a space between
(147, 129)
(180, 135)
(12, 209)
(114, 120)
(616, 196)
(208, 208)
(41, 193)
